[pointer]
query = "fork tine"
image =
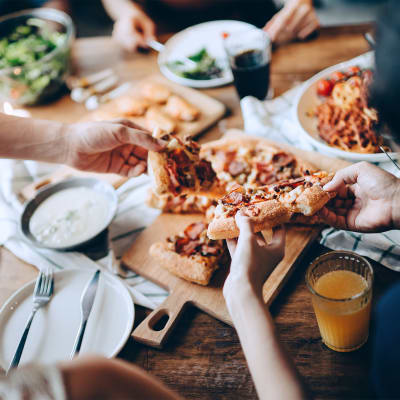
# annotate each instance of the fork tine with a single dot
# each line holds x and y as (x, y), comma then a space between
(49, 288)
(46, 287)
(38, 283)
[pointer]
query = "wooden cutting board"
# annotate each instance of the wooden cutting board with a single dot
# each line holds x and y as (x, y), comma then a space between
(211, 110)
(210, 298)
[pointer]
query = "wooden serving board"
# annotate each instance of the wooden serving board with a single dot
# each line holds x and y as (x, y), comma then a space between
(210, 298)
(211, 110)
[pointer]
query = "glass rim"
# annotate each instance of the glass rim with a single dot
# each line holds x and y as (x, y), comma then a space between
(349, 253)
(246, 31)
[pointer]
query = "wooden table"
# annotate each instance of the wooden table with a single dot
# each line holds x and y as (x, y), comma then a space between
(203, 359)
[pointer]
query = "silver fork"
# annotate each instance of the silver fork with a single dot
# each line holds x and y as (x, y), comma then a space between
(41, 296)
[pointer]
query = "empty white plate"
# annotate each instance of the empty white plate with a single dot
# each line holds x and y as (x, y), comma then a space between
(191, 40)
(55, 326)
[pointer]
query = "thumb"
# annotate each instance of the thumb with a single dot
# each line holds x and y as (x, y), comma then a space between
(345, 176)
(139, 138)
(245, 226)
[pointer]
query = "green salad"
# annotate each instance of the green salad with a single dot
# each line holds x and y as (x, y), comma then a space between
(206, 67)
(27, 75)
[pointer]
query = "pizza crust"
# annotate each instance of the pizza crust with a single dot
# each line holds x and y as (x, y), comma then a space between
(157, 172)
(196, 269)
(272, 213)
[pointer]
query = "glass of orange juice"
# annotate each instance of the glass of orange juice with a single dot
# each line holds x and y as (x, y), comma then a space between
(341, 286)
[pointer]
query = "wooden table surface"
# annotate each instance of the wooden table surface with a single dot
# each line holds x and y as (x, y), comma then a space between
(203, 359)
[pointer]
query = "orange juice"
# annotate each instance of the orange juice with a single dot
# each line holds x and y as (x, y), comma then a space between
(343, 320)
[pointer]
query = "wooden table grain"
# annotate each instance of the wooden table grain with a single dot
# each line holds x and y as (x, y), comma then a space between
(203, 358)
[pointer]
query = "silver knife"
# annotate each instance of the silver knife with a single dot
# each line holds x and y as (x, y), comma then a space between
(87, 300)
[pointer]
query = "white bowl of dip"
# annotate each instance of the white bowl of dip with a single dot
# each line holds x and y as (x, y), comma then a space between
(69, 214)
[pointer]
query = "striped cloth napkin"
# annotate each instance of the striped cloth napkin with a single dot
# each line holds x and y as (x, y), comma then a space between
(132, 217)
(275, 120)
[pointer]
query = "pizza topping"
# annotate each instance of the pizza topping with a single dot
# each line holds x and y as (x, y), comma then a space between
(193, 240)
(251, 211)
(266, 178)
(194, 230)
(180, 157)
(209, 250)
(173, 175)
(282, 159)
(234, 198)
(235, 168)
(204, 171)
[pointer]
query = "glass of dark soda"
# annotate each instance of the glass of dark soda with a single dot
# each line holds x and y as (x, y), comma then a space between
(249, 54)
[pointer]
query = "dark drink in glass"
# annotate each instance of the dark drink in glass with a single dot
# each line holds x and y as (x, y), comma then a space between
(249, 55)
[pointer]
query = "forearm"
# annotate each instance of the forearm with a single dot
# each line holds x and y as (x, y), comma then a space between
(120, 8)
(32, 139)
(275, 377)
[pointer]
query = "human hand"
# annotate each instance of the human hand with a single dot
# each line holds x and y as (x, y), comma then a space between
(118, 147)
(367, 199)
(296, 20)
(134, 30)
(253, 259)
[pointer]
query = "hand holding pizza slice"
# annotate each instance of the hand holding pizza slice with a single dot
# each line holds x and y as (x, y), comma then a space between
(271, 205)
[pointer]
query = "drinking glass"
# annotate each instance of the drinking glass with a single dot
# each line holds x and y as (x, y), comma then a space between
(340, 283)
(249, 54)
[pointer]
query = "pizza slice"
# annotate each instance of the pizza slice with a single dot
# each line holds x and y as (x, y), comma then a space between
(178, 169)
(271, 205)
(191, 255)
(180, 204)
(251, 162)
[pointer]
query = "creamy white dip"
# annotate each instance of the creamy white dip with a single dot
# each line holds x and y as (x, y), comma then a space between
(70, 216)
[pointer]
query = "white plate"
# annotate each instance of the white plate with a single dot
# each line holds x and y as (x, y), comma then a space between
(191, 40)
(55, 326)
(308, 100)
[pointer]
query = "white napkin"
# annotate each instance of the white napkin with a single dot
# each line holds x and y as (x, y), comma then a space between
(274, 119)
(132, 217)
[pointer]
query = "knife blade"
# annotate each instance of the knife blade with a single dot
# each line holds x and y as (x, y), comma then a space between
(87, 300)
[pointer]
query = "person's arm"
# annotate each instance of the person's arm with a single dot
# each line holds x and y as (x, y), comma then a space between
(133, 27)
(367, 200)
(111, 146)
(296, 20)
(274, 374)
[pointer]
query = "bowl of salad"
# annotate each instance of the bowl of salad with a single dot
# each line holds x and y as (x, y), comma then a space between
(34, 55)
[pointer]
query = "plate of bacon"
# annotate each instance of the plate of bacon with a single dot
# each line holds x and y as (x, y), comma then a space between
(333, 112)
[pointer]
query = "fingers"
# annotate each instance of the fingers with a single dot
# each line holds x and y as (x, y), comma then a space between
(333, 219)
(297, 20)
(137, 137)
(310, 26)
(345, 176)
(278, 238)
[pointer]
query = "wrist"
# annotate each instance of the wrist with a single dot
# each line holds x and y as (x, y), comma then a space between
(239, 291)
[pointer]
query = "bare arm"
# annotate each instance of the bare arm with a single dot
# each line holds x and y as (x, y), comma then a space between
(274, 374)
(109, 146)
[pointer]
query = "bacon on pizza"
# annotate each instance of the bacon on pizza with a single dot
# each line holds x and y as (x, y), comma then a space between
(191, 255)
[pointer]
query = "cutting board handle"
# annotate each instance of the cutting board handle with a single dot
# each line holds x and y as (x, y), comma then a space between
(148, 331)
